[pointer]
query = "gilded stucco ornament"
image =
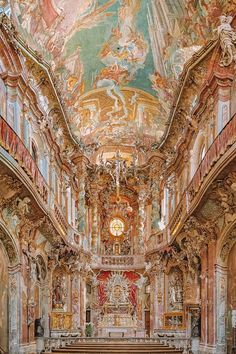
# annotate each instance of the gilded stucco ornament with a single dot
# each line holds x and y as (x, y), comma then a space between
(227, 37)
(228, 244)
(9, 247)
(224, 192)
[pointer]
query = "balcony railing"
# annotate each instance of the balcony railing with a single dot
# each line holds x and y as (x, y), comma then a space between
(117, 260)
(220, 145)
(60, 217)
(12, 143)
(223, 141)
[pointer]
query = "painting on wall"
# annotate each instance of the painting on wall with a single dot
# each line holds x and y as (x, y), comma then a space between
(99, 50)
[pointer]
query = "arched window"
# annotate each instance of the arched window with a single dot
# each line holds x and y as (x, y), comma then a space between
(34, 152)
(225, 115)
(202, 153)
(44, 166)
(26, 132)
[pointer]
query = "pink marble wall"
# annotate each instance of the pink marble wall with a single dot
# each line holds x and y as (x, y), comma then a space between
(3, 301)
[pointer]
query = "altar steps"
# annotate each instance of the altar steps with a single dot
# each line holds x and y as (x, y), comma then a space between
(115, 348)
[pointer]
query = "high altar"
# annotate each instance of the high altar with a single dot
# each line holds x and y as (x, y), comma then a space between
(118, 316)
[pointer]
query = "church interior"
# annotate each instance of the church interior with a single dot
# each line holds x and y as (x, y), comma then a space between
(118, 176)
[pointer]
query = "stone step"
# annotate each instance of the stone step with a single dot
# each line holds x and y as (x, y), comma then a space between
(117, 347)
(118, 344)
(120, 351)
(124, 350)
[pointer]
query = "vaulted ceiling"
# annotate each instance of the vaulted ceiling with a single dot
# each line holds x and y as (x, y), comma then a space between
(117, 62)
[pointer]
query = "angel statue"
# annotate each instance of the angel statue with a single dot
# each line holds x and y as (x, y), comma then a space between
(227, 40)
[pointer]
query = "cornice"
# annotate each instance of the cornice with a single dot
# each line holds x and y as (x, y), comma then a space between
(188, 67)
(25, 49)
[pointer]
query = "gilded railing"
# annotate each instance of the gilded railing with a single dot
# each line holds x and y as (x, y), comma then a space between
(117, 260)
(220, 145)
(60, 217)
(13, 144)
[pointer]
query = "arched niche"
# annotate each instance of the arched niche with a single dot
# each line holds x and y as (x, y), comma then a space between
(60, 289)
(175, 282)
(9, 246)
(9, 293)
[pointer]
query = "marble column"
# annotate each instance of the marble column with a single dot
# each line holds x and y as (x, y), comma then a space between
(157, 300)
(221, 308)
(142, 218)
(155, 215)
(46, 307)
(95, 230)
(160, 299)
(82, 301)
(204, 296)
(75, 300)
(81, 206)
(82, 167)
(153, 302)
(211, 292)
(14, 310)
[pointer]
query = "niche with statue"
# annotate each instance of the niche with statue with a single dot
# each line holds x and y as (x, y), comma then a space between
(175, 290)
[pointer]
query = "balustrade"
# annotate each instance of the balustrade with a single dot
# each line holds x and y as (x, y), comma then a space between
(12, 143)
(60, 217)
(118, 260)
(220, 145)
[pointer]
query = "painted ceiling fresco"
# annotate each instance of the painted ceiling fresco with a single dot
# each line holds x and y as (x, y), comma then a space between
(117, 62)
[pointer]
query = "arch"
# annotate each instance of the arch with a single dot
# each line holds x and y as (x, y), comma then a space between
(9, 246)
(226, 243)
(34, 151)
(202, 152)
(12, 323)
